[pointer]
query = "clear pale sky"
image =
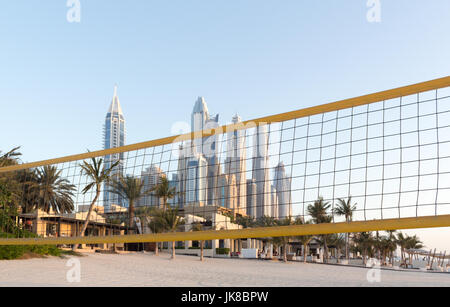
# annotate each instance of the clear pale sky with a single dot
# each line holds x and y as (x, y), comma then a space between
(251, 57)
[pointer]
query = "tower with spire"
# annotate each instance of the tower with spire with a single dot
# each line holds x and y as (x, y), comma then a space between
(206, 146)
(114, 136)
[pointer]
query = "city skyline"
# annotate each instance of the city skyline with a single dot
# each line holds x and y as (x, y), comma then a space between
(204, 177)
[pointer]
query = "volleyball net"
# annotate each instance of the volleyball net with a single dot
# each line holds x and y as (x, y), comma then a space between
(383, 156)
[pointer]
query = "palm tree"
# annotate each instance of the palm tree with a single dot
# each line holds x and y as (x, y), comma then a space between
(245, 221)
(5, 195)
(266, 221)
(346, 209)
(53, 192)
(98, 174)
(163, 191)
(10, 189)
(401, 242)
(326, 238)
(319, 213)
(199, 227)
(143, 213)
(304, 240)
(282, 241)
(170, 221)
(392, 245)
(132, 189)
(386, 246)
(318, 210)
(413, 243)
(156, 225)
(364, 241)
(26, 189)
(338, 241)
(10, 158)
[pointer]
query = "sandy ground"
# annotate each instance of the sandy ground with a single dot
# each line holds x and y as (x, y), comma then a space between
(140, 269)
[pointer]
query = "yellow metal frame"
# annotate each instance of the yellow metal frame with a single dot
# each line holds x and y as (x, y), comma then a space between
(334, 106)
(264, 232)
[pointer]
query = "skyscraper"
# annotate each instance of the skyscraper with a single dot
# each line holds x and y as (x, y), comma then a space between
(196, 181)
(227, 192)
(235, 164)
(206, 146)
(251, 197)
(282, 184)
(151, 177)
(114, 136)
(274, 203)
(261, 172)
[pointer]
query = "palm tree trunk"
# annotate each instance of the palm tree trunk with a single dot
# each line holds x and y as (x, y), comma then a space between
(173, 249)
(364, 257)
(285, 252)
(86, 222)
(305, 252)
(347, 239)
(326, 251)
(156, 249)
(201, 250)
(131, 214)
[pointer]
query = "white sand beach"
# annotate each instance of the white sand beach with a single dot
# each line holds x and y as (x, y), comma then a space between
(145, 269)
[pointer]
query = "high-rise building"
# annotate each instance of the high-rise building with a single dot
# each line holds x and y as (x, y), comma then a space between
(114, 136)
(235, 163)
(227, 192)
(260, 172)
(151, 177)
(282, 184)
(274, 203)
(196, 180)
(206, 146)
(174, 184)
(182, 175)
(251, 197)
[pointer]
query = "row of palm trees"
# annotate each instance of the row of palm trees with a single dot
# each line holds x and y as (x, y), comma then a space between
(45, 189)
(367, 244)
(32, 189)
(132, 189)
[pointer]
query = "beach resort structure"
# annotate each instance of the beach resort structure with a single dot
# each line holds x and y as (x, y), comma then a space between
(54, 225)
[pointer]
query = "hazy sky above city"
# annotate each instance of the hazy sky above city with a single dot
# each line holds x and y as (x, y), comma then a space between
(254, 58)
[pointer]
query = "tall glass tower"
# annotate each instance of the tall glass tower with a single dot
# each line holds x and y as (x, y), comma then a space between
(207, 146)
(261, 172)
(114, 136)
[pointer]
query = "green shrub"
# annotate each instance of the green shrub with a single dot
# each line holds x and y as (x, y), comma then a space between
(9, 252)
(222, 251)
